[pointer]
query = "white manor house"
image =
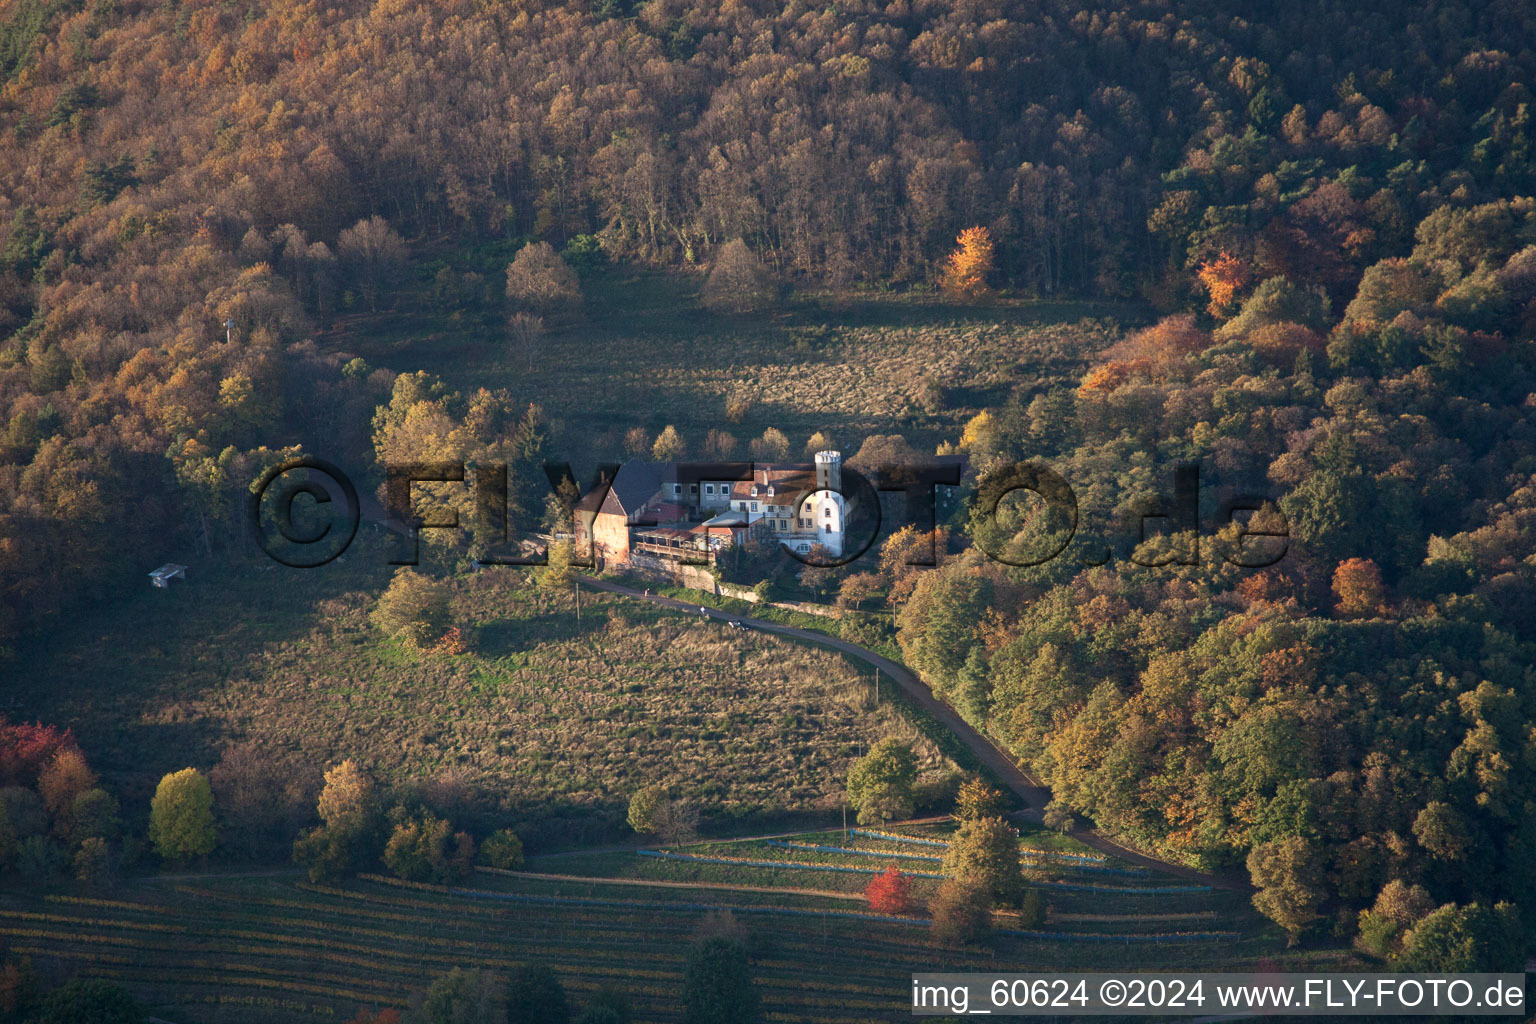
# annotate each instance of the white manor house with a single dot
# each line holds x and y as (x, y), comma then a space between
(662, 514)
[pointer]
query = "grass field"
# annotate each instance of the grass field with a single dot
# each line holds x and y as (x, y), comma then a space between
(277, 948)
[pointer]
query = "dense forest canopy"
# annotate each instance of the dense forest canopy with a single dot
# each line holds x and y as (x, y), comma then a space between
(1327, 202)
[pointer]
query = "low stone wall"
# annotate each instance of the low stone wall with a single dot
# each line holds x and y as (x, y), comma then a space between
(699, 578)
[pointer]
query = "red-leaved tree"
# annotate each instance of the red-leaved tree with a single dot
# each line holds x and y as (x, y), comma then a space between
(890, 892)
(26, 749)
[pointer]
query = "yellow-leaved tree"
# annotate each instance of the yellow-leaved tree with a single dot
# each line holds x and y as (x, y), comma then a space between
(965, 275)
(181, 823)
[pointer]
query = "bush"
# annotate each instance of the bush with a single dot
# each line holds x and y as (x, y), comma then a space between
(866, 630)
(502, 849)
(90, 1002)
(584, 253)
(986, 851)
(717, 983)
(642, 808)
(415, 608)
(1058, 818)
(978, 800)
(962, 912)
(880, 783)
(426, 849)
(535, 996)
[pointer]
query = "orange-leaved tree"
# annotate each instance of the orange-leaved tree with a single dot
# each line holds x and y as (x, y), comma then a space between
(1222, 278)
(965, 275)
(890, 892)
(1357, 585)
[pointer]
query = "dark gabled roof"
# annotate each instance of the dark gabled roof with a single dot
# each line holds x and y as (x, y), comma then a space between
(674, 471)
(634, 485)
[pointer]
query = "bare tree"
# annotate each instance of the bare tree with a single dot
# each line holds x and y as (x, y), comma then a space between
(374, 255)
(676, 822)
(738, 282)
(525, 329)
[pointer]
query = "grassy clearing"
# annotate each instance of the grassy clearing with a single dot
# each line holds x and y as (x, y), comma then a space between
(643, 354)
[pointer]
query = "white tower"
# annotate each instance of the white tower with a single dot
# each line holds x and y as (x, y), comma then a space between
(829, 471)
(829, 507)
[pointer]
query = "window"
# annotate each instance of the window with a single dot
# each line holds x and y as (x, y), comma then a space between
(677, 488)
(754, 506)
(709, 488)
(828, 513)
(693, 488)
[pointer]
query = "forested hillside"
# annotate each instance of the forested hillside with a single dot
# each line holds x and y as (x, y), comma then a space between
(1325, 206)
(167, 167)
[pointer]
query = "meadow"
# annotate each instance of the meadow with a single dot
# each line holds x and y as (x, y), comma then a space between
(643, 354)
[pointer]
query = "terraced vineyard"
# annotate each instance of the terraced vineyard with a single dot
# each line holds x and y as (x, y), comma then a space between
(278, 948)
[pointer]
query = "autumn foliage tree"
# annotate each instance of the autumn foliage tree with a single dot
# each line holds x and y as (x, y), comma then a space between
(538, 279)
(181, 823)
(1222, 278)
(1358, 588)
(965, 273)
(890, 892)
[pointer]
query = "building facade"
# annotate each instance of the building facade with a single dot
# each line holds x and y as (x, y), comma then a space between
(656, 513)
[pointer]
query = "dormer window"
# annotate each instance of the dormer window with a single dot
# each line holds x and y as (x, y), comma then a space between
(754, 490)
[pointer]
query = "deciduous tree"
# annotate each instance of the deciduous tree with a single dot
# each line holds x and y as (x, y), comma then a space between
(181, 823)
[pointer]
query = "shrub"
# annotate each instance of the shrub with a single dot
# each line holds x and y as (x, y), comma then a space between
(986, 851)
(535, 996)
(502, 849)
(415, 608)
(717, 983)
(1058, 817)
(962, 912)
(642, 808)
(426, 849)
(737, 405)
(90, 1002)
(977, 800)
(866, 630)
(584, 253)
(92, 861)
